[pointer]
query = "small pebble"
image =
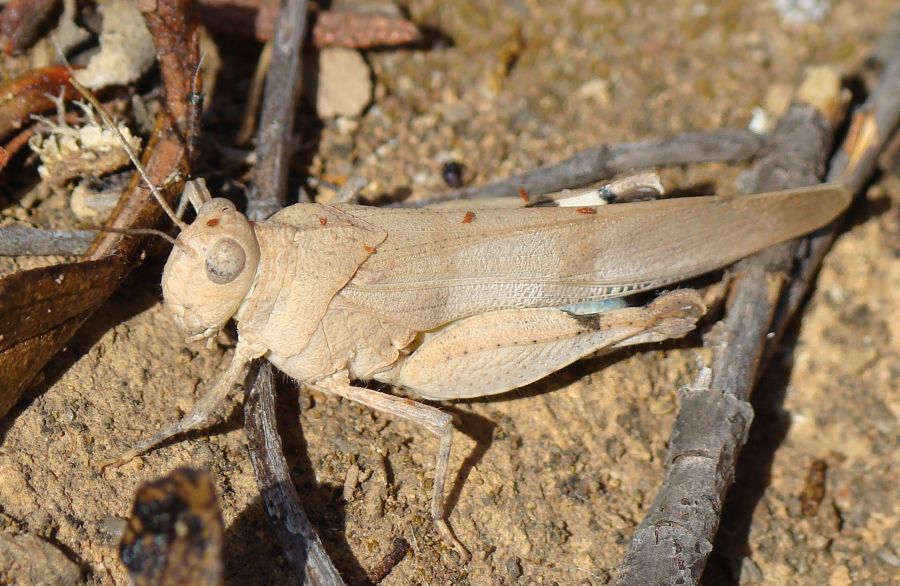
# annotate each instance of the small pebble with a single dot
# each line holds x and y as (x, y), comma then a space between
(344, 86)
(514, 567)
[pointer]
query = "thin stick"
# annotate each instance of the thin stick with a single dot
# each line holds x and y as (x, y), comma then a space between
(282, 89)
(251, 108)
(195, 112)
(144, 231)
(299, 541)
(737, 363)
(852, 165)
(605, 161)
(28, 241)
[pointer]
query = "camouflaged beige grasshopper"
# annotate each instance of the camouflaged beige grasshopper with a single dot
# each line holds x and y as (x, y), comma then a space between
(453, 302)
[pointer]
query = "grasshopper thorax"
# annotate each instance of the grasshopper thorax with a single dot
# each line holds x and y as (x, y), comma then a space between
(211, 269)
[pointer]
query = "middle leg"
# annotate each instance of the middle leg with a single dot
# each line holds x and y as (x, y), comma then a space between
(431, 418)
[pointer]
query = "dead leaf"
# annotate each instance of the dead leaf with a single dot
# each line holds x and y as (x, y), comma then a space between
(40, 309)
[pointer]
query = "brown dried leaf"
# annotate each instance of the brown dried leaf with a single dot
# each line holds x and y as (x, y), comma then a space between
(40, 309)
(33, 301)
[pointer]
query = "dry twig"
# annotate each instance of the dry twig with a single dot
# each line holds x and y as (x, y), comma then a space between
(32, 93)
(853, 164)
(269, 191)
(25, 240)
(299, 542)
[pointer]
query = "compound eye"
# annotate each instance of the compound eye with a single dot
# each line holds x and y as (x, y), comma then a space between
(225, 261)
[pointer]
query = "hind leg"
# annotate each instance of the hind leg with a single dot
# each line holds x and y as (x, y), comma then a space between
(502, 350)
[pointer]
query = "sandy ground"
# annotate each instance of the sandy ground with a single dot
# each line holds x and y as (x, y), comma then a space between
(548, 482)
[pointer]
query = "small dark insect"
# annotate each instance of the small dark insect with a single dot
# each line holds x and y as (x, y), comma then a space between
(523, 195)
(587, 211)
(196, 98)
(452, 172)
(467, 219)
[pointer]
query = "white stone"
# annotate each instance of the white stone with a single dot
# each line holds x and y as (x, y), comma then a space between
(344, 83)
(596, 89)
(760, 122)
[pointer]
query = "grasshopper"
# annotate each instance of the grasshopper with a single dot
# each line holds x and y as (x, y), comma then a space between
(453, 303)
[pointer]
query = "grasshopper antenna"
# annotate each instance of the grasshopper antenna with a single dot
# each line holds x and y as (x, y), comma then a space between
(195, 113)
(110, 122)
(132, 231)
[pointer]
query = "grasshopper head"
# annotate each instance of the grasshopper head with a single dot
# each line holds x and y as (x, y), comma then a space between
(211, 269)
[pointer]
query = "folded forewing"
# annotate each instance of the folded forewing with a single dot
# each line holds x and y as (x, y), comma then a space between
(437, 266)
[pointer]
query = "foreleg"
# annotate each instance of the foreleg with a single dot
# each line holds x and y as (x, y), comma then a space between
(202, 414)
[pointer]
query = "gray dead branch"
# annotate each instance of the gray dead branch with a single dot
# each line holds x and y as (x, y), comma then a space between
(299, 542)
(871, 129)
(674, 541)
(28, 241)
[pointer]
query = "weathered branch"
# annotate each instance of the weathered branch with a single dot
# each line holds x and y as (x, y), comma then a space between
(25, 241)
(853, 164)
(299, 542)
(268, 193)
(674, 541)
